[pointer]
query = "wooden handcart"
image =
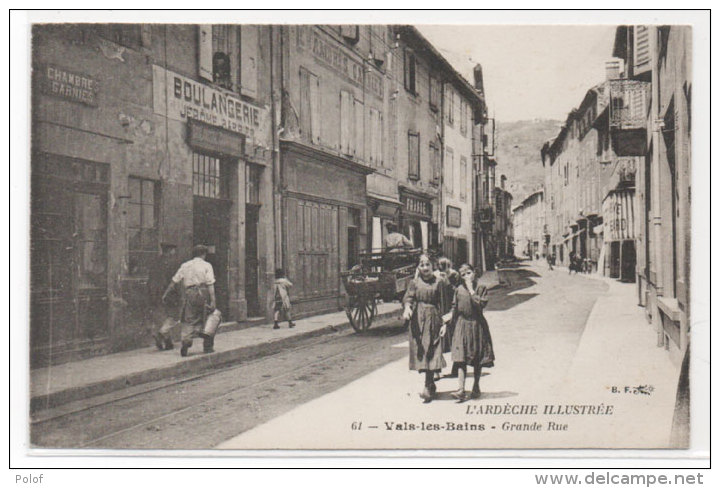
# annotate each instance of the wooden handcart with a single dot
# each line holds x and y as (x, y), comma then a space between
(379, 276)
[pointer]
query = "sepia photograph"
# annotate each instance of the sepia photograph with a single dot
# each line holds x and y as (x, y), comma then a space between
(298, 236)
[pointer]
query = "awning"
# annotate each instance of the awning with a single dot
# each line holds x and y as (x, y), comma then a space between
(574, 234)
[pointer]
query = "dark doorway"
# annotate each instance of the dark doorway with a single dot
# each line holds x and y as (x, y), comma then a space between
(627, 267)
(252, 216)
(68, 249)
(211, 227)
(615, 259)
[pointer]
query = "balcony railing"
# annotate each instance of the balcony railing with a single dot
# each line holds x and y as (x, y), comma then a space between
(629, 101)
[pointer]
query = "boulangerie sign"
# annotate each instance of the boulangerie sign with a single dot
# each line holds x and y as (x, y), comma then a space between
(182, 98)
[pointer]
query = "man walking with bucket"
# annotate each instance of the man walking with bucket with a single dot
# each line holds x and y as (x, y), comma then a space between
(198, 283)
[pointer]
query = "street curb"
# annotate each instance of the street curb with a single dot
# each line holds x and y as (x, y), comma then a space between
(193, 364)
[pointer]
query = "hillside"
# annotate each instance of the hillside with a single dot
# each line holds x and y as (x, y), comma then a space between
(518, 154)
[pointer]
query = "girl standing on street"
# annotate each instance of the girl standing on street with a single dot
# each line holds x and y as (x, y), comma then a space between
(471, 343)
(450, 282)
(422, 302)
(282, 305)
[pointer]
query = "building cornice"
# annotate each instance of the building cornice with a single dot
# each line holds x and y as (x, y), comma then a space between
(325, 157)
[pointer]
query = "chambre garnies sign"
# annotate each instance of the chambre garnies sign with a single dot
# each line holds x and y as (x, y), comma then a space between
(62, 83)
(181, 98)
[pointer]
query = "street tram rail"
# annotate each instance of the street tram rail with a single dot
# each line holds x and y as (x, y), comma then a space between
(54, 416)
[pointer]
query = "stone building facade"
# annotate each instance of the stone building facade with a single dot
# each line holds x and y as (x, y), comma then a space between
(529, 226)
(277, 146)
(661, 57)
(146, 140)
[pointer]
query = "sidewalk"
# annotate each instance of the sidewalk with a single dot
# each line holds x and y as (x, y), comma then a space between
(64, 383)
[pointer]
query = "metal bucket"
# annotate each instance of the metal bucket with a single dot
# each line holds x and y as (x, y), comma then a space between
(212, 323)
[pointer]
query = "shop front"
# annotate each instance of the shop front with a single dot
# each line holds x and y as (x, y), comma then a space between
(382, 210)
(416, 219)
(324, 223)
(220, 144)
(619, 234)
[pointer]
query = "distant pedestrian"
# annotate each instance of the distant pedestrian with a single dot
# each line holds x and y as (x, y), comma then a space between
(550, 262)
(282, 307)
(197, 279)
(422, 302)
(471, 344)
(573, 263)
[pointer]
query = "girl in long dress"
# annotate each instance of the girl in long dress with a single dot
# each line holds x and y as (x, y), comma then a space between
(422, 302)
(471, 342)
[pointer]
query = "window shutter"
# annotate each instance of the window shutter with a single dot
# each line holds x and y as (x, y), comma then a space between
(205, 52)
(463, 177)
(305, 106)
(406, 69)
(379, 157)
(359, 130)
(450, 171)
(248, 60)
(347, 117)
(413, 155)
(314, 88)
(641, 49)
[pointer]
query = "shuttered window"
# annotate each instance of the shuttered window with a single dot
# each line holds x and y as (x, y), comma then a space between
(309, 106)
(434, 93)
(449, 170)
(376, 137)
(413, 155)
(410, 71)
(463, 117)
(641, 49)
(248, 60)
(347, 122)
(228, 56)
(359, 132)
(463, 178)
(435, 162)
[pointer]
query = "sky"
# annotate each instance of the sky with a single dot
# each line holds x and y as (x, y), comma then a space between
(529, 71)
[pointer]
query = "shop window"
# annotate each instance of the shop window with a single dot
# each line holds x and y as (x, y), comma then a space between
(413, 155)
(142, 225)
(209, 176)
(410, 70)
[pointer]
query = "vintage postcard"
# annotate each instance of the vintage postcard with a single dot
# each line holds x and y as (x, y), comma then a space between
(278, 236)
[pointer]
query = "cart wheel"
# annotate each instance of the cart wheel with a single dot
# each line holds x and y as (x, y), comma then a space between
(361, 311)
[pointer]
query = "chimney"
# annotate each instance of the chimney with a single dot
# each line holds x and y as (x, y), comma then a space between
(478, 78)
(612, 70)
